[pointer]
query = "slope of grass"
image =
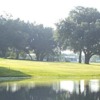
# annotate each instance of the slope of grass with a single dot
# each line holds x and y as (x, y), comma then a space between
(47, 69)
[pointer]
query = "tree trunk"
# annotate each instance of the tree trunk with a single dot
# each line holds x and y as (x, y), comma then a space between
(37, 56)
(4, 53)
(87, 58)
(42, 57)
(27, 52)
(30, 56)
(17, 54)
(80, 56)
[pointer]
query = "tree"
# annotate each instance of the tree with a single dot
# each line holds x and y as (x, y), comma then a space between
(4, 43)
(41, 41)
(81, 31)
(17, 35)
(13, 35)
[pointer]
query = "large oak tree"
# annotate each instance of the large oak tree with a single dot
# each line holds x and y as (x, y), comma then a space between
(81, 31)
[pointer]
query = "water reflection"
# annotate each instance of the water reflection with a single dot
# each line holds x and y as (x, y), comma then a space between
(63, 90)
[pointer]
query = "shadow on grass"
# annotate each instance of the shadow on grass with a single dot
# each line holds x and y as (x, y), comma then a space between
(7, 72)
(9, 75)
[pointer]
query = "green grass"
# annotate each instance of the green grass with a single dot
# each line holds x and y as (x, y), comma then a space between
(19, 68)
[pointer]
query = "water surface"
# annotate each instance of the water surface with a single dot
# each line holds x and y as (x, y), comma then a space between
(59, 90)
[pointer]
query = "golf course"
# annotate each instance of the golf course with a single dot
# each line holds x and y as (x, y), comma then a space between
(36, 69)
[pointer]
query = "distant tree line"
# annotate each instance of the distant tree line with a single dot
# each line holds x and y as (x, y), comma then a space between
(79, 32)
(19, 38)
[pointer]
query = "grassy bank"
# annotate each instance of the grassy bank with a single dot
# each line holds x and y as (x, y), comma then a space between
(19, 68)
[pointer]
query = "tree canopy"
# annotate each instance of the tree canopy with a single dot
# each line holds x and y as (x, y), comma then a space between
(81, 31)
(17, 36)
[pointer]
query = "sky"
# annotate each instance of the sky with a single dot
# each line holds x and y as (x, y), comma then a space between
(46, 12)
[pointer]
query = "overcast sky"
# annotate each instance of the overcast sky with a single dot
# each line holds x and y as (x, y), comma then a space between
(45, 12)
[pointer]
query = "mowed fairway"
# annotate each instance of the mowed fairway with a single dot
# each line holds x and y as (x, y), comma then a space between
(19, 68)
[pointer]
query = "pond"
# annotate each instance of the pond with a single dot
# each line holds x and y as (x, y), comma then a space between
(57, 90)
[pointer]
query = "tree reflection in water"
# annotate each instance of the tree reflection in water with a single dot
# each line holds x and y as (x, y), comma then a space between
(64, 90)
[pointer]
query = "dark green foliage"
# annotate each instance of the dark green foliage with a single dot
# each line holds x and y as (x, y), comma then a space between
(81, 31)
(17, 36)
(12, 35)
(41, 41)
